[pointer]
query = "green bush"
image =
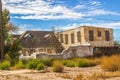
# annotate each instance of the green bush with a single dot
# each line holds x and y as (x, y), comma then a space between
(68, 63)
(19, 65)
(47, 62)
(24, 61)
(5, 65)
(83, 63)
(64, 62)
(32, 64)
(40, 66)
(58, 66)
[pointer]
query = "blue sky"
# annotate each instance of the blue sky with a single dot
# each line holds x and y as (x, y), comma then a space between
(63, 14)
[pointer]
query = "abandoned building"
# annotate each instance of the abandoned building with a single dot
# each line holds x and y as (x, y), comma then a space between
(74, 42)
(40, 41)
(86, 35)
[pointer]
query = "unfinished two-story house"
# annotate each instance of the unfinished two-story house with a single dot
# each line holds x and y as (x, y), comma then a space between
(86, 35)
(86, 40)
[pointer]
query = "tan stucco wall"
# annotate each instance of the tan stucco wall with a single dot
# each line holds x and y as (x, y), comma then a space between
(98, 41)
(69, 37)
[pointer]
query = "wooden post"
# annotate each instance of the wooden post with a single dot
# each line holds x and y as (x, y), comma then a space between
(1, 35)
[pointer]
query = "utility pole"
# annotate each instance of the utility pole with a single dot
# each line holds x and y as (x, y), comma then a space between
(1, 35)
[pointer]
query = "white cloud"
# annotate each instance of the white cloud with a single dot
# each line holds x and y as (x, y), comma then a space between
(101, 12)
(114, 25)
(66, 27)
(25, 27)
(41, 9)
(79, 7)
(96, 3)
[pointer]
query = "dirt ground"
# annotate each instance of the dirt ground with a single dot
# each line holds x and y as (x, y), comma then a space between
(48, 74)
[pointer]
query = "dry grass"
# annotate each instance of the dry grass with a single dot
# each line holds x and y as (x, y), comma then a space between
(65, 75)
(14, 77)
(105, 75)
(19, 65)
(58, 66)
(80, 77)
(98, 76)
(75, 73)
(96, 61)
(110, 63)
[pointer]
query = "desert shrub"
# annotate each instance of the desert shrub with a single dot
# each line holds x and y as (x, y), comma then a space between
(5, 65)
(64, 62)
(40, 66)
(85, 62)
(58, 66)
(24, 61)
(95, 61)
(92, 63)
(111, 63)
(69, 63)
(47, 62)
(32, 64)
(19, 65)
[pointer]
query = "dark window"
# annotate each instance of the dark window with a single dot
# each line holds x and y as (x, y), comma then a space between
(72, 37)
(61, 38)
(91, 36)
(66, 38)
(79, 36)
(99, 33)
(107, 36)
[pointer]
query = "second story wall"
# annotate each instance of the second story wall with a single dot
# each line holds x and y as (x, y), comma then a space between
(71, 37)
(99, 37)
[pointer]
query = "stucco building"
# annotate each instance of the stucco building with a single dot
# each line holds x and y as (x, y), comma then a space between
(86, 35)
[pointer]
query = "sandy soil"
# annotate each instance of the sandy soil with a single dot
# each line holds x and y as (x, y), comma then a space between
(48, 74)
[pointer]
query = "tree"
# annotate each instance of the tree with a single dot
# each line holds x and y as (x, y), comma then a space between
(1, 35)
(5, 17)
(7, 25)
(117, 43)
(12, 47)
